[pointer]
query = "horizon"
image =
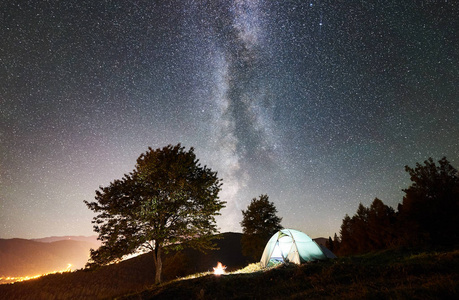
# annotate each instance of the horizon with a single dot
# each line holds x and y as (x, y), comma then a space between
(95, 235)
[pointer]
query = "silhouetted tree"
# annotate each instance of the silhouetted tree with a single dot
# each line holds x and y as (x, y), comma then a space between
(333, 244)
(336, 242)
(347, 236)
(369, 229)
(330, 244)
(381, 225)
(168, 199)
(430, 208)
(259, 223)
(361, 238)
(427, 217)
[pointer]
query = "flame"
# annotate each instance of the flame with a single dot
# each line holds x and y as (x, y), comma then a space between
(11, 279)
(220, 269)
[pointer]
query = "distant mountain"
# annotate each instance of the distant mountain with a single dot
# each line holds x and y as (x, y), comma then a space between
(89, 239)
(21, 257)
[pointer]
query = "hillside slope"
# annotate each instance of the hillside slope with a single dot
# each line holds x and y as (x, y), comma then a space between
(135, 274)
(384, 275)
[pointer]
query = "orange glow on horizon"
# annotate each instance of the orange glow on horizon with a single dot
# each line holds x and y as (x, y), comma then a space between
(12, 279)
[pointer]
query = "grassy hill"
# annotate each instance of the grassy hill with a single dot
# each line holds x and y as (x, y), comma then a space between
(384, 275)
(390, 274)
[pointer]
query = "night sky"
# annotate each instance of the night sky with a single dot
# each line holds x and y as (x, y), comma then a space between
(319, 104)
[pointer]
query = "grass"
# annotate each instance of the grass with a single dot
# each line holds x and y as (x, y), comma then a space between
(392, 274)
(384, 275)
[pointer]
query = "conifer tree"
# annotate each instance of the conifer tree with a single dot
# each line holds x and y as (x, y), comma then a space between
(259, 223)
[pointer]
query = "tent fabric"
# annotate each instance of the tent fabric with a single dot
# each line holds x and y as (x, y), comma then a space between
(293, 246)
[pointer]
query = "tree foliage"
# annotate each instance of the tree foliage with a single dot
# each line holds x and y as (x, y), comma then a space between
(369, 229)
(168, 199)
(259, 223)
(427, 216)
(430, 207)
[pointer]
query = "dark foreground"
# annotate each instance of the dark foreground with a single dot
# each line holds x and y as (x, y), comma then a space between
(386, 275)
(393, 274)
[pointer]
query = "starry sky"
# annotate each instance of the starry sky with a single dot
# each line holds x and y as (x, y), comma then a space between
(319, 104)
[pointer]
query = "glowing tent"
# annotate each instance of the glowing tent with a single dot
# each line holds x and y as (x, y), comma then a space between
(289, 245)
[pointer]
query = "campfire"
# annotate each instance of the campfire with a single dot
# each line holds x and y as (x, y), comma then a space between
(220, 269)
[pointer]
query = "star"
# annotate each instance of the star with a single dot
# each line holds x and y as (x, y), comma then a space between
(318, 104)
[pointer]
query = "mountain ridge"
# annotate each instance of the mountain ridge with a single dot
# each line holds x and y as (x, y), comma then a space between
(23, 257)
(81, 238)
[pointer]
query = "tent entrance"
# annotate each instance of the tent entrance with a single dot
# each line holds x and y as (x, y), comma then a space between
(276, 257)
(282, 251)
(277, 253)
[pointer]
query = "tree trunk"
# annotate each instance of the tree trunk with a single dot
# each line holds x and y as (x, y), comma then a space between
(158, 263)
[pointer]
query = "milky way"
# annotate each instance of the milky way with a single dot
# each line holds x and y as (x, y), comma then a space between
(319, 104)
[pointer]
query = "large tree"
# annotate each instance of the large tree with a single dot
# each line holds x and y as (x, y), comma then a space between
(259, 223)
(169, 199)
(430, 208)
